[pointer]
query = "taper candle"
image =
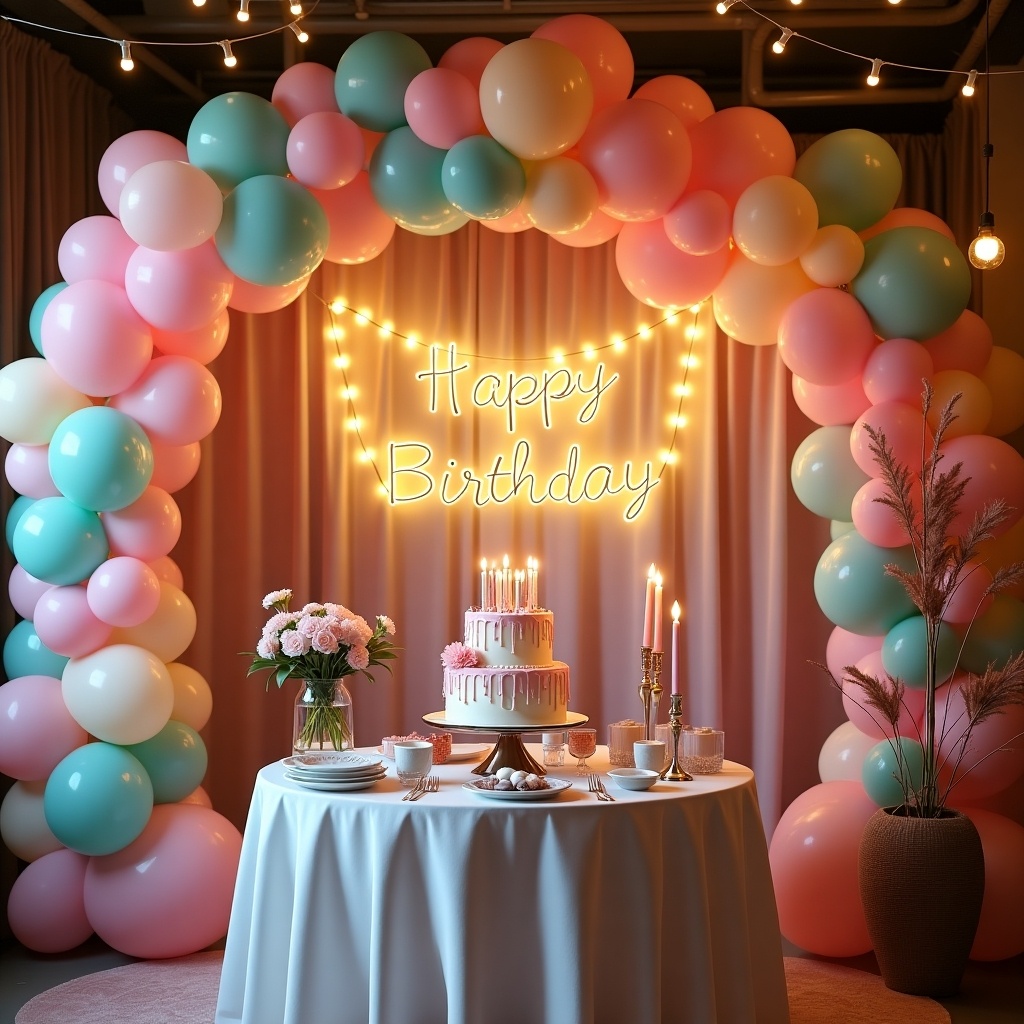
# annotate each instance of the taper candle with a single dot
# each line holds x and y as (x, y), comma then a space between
(483, 584)
(675, 647)
(657, 613)
(649, 607)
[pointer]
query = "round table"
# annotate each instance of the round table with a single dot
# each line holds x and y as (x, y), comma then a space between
(358, 908)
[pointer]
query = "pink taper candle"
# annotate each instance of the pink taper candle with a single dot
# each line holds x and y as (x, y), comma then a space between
(649, 607)
(658, 645)
(675, 647)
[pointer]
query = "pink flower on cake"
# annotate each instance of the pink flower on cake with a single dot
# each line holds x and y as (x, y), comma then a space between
(358, 657)
(293, 643)
(458, 655)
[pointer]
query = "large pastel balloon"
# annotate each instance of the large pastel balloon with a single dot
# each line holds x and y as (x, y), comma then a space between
(813, 855)
(604, 52)
(442, 107)
(854, 176)
(966, 345)
(906, 433)
(33, 400)
(469, 57)
(100, 459)
(26, 655)
(830, 404)
(27, 469)
(405, 175)
(561, 195)
(95, 247)
(834, 256)
(974, 408)
(125, 155)
(993, 470)
(273, 231)
(147, 529)
(175, 466)
(35, 316)
(824, 476)
(325, 150)
(737, 146)
(36, 728)
(905, 217)
(304, 88)
(120, 693)
(870, 720)
(236, 136)
(699, 223)
(166, 569)
(198, 797)
(359, 228)
(599, 229)
(1003, 375)
(168, 631)
(971, 596)
(255, 298)
(170, 204)
(180, 871)
(842, 754)
(884, 765)
(175, 760)
(203, 344)
(659, 274)
(1000, 933)
(914, 283)
(24, 591)
(373, 76)
(482, 178)
(178, 291)
(905, 652)
(751, 299)
(123, 591)
(536, 98)
(59, 542)
(825, 336)
(46, 906)
(683, 96)
(67, 625)
(853, 590)
(846, 648)
(23, 827)
(995, 636)
(98, 799)
(512, 223)
(18, 508)
(175, 400)
(193, 699)
(895, 371)
(94, 339)
(775, 220)
(875, 521)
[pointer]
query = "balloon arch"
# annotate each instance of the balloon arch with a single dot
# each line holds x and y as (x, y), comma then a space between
(100, 722)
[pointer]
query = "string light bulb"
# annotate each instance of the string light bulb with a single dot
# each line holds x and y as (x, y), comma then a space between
(198, 3)
(987, 251)
(300, 33)
(296, 9)
(873, 75)
(243, 10)
(968, 89)
(127, 64)
(230, 60)
(779, 45)
(724, 5)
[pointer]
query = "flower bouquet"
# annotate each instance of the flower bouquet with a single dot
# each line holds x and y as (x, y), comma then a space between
(320, 644)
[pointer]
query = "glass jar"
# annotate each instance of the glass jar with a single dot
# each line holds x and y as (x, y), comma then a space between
(553, 745)
(323, 716)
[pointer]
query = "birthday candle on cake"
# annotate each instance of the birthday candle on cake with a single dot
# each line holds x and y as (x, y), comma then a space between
(483, 584)
(649, 607)
(657, 613)
(506, 585)
(675, 647)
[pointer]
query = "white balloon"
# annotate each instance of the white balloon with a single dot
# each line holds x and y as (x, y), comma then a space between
(34, 400)
(169, 205)
(23, 825)
(168, 631)
(842, 754)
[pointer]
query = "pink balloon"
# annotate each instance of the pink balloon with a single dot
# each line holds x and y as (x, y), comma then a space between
(305, 88)
(28, 470)
(203, 344)
(25, 591)
(442, 107)
(846, 648)
(199, 797)
(699, 223)
(902, 425)
(360, 229)
(147, 529)
(67, 625)
(866, 718)
(735, 147)
(176, 400)
(813, 856)
(967, 345)
(994, 470)
(895, 371)
(95, 247)
(514, 222)
(124, 156)
(683, 96)
(191, 856)
(123, 591)
(602, 50)
(167, 570)
(325, 150)
(908, 217)
(970, 598)
(599, 229)
(639, 155)
(247, 297)
(94, 340)
(876, 522)
(825, 336)
(36, 729)
(178, 291)
(174, 466)
(469, 57)
(830, 404)
(1000, 932)
(46, 907)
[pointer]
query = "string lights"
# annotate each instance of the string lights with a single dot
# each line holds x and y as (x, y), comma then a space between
(874, 75)
(127, 64)
(230, 60)
(779, 45)
(243, 10)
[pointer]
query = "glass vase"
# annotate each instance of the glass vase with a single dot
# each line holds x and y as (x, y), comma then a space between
(323, 716)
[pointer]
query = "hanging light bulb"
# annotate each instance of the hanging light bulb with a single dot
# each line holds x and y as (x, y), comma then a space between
(243, 10)
(724, 5)
(296, 9)
(300, 33)
(230, 60)
(987, 250)
(780, 44)
(198, 3)
(873, 75)
(127, 64)
(968, 89)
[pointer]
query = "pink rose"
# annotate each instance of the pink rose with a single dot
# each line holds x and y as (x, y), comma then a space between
(293, 643)
(325, 642)
(358, 657)
(308, 625)
(458, 655)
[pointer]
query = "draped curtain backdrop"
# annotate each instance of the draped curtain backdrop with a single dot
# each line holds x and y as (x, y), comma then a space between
(284, 497)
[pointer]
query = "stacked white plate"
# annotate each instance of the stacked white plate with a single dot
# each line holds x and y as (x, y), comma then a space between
(333, 770)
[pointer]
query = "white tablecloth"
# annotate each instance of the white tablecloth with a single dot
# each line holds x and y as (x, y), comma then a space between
(356, 908)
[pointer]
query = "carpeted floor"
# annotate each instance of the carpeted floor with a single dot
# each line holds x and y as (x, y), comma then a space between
(184, 991)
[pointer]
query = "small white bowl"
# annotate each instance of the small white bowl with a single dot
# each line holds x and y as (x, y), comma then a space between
(634, 778)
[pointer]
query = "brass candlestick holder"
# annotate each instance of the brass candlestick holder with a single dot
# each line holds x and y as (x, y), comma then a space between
(646, 688)
(656, 691)
(674, 772)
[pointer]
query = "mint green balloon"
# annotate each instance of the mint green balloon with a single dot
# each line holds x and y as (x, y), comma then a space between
(19, 507)
(837, 528)
(35, 316)
(914, 283)
(175, 760)
(59, 542)
(995, 636)
(854, 176)
(904, 652)
(100, 459)
(272, 231)
(853, 590)
(880, 769)
(372, 77)
(237, 136)
(405, 177)
(482, 178)
(26, 655)
(824, 475)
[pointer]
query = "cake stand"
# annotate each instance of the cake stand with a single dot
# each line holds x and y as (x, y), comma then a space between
(509, 751)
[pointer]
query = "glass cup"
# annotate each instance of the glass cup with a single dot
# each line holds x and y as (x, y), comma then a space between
(582, 744)
(649, 754)
(553, 744)
(703, 750)
(413, 759)
(621, 736)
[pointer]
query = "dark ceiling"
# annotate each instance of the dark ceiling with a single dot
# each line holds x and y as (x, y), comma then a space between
(810, 87)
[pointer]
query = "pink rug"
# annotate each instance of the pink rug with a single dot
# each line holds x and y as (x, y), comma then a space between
(184, 991)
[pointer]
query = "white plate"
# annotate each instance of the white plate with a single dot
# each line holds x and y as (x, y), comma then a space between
(337, 787)
(370, 773)
(555, 786)
(460, 751)
(330, 761)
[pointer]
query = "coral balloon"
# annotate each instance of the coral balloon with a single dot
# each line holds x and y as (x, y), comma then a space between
(191, 856)
(23, 827)
(255, 298)
(775, 220)
(123, 591)
(560, 195)
(513, 222)
(325, 150)
(699, 223)
(973, 410)
(971, 597)
(66, 624)
(33, 400)
(842, 755)
(683, 96)
(830, 404)
(824, 476)
(36, 728)
(304, 88)
(834, 256)
(599, 229)
(203, 344)
(359, 228)
(199, 797)
(895, 371)
(168, 631)
(876, 522)
(193, 699)
(28, 471)
(469, 57)
(442, 107)
(124, 156)
(174, 466)
(1000, 933)
(146, 529)
(95, 248)
(1003, 375)
(994, 470)
(908, 217)
(46, 906)
(904, 432)
(170, 205)
(966, 345)
(846, 648)
(167, 570)
(868, 720)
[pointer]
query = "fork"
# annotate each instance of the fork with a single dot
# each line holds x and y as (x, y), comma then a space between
(595, 786)
(431, 784)
(416, 790)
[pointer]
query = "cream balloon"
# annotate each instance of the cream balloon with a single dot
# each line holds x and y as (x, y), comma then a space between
(34, 400)
(193, 699)
(973, 411)
(561, 195)
(120, 694)
(170, 205)
(23, 827)
(834, 257)
(1004, 377)
(168, 631)
(775, 220)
